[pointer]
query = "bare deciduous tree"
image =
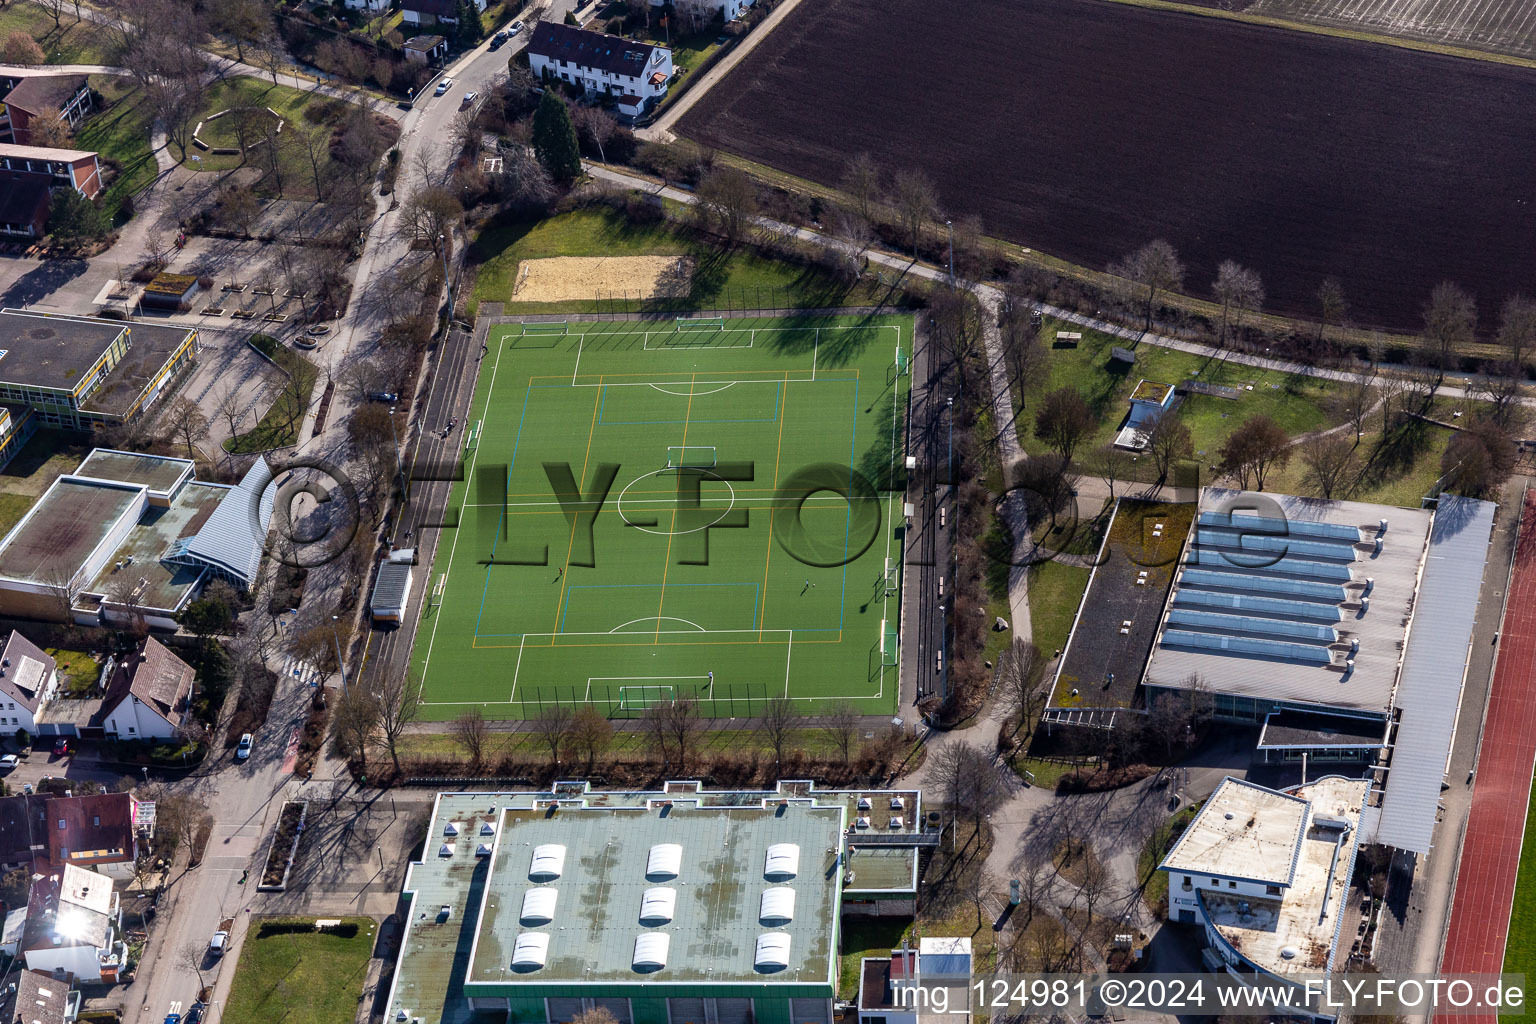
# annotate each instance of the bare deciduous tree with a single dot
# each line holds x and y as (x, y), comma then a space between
(777, 721)
(473, 735)
(553, 728)
(1154, 268)
(727, 200)
(917, 200)
(842, 728)
(1257, 446)
(399, 695)
(1240, 292)
(1020, 677)
(1450, 322)
(1332, 307)
(1169, 440)
(1330, 462)
(590, 733)
(861, 181)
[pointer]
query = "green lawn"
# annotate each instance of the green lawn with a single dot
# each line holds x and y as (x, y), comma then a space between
(279, 426)
(1054, 593)
(71, 42)
(1398, 471)
(1292, 400)
(302, 112)
(784, 595)
(300, 977)
(12, 508)
(78, 670)
(739, 280)
(119, 131)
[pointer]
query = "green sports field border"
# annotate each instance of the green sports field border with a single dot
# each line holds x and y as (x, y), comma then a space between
(725, 700)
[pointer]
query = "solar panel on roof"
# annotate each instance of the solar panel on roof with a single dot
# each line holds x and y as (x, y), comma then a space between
(1288, 566)
(1246, 645)
(1263, 584)
(1258, 605)
(1252, 624)
(1291, 527)
(1270, 544)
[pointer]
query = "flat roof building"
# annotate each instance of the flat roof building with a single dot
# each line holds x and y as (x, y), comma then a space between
(1268, 873)
(80, 372)
(663, 906)
(130, 537)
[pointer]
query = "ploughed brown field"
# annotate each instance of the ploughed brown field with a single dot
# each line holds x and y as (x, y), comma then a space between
(1084, 129)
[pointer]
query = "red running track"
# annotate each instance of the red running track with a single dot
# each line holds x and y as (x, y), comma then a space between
(1490, 853)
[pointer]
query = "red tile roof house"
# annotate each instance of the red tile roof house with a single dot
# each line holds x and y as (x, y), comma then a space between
(92, 830)
(30, 94)
(149, 696)
(77, 168)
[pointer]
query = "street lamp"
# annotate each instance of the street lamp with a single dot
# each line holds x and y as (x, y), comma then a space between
(339, 663)
(399, 469)
(146, 775)
(443, 245)
(951, 226)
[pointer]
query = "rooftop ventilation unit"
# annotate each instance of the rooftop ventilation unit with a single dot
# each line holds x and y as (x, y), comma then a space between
(783, 861)
(451, 829)
(548, 862)
(897, 803)
(896, 821)
(539, 906)
(651, 951)
(665, 861)
(658, 905)
(531, 951)
(772, 952)
(446, 850)
(861, 822)
(487, 829)
(483, 850)
(864, 803)
(777, 906)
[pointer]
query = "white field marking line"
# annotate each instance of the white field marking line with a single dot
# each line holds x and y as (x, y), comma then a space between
(523, 645)
(654, 618)
(645, 342)
(815, 353)
(606, 679)
(890, 520)
(468, 477)
(681, 383)
(579, 340)
(704, 499)
(693, 394)
(789, 657)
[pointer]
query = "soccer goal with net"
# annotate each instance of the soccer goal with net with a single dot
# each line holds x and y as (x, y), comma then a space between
(700, 323)
(555, 327)
(691, 457)
(638, 698)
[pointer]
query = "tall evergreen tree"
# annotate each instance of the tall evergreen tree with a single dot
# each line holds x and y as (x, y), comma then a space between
(554, 138)
(467, 32)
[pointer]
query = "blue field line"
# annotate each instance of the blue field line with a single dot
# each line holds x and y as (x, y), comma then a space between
(853, 444)
(501, 521)
(757, 596)
(778, 398)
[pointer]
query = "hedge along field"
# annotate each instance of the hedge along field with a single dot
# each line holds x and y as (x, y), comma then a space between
(1084, 129)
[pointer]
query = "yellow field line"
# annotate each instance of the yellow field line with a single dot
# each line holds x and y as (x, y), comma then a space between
(476, 645)
(665, 566)
(565, 575)
(762, 605)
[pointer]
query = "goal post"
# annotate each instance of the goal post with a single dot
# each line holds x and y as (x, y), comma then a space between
(638, 698)
(691, 456)
(472, 436)
(547, 327)
(903, 364)
(889, 643)
(700, 323)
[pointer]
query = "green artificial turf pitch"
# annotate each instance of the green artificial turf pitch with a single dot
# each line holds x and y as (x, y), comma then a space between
(748, 546)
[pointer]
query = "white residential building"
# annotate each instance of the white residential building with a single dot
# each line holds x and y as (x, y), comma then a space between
(634, 75)
(74, 925)
(433, 12)
(729, 10)
(1267, 874)
(149, 695)
(29, 678)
